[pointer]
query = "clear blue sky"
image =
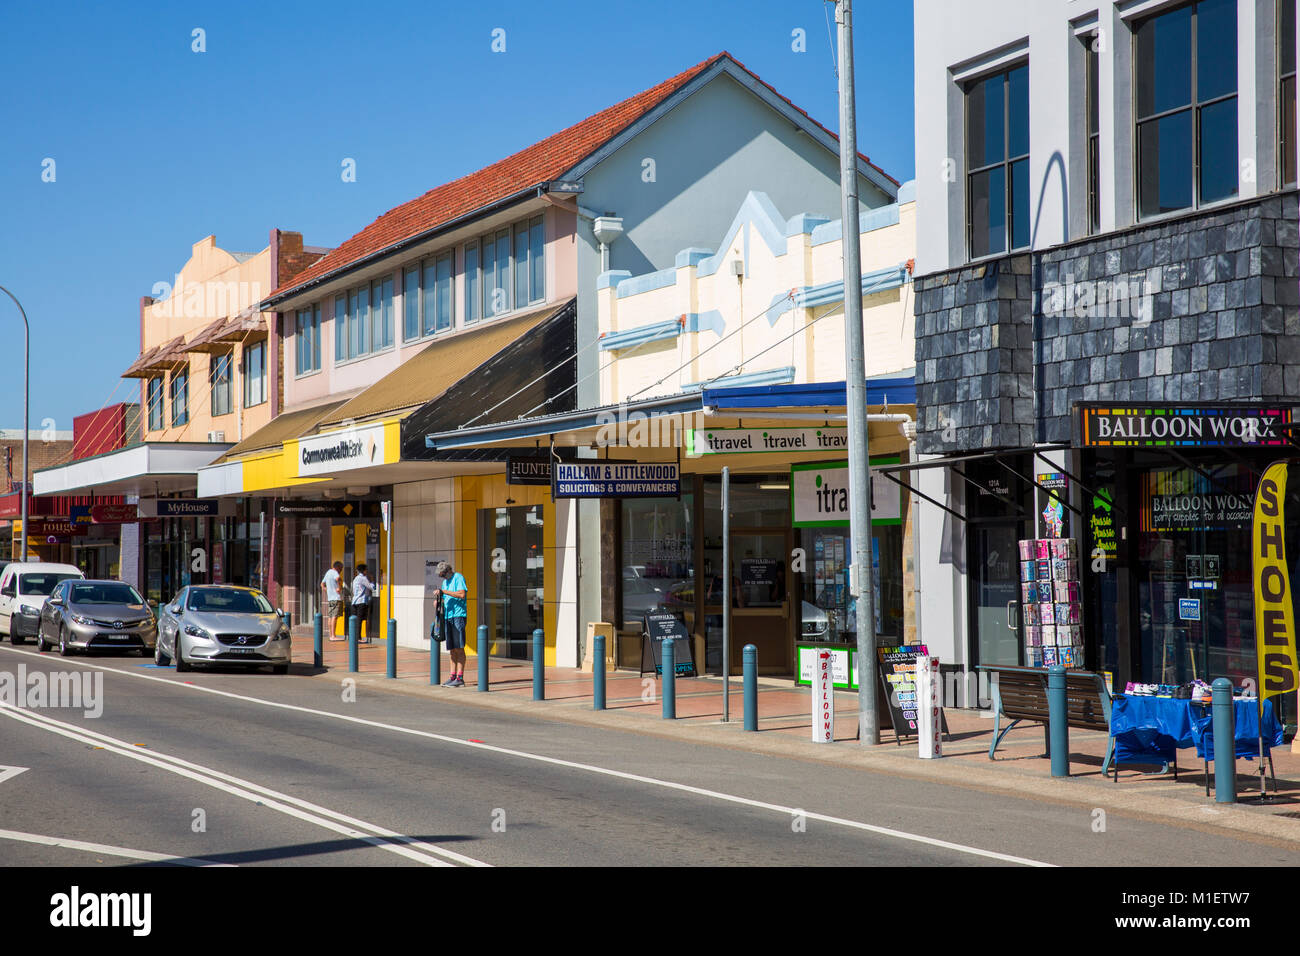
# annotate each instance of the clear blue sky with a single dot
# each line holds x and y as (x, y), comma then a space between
(156, 146)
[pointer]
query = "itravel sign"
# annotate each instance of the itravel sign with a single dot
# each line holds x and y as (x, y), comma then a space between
(1189, 426)
(759, 441)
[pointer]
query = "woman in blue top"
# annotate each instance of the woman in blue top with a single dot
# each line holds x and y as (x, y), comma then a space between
(452, 595)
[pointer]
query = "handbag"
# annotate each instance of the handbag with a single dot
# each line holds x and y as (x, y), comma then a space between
(436, 628)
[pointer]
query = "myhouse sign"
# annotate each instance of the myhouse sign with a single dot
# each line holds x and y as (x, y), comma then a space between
(1191, 426)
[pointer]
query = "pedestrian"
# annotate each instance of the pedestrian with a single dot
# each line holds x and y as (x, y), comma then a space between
(333, 596)
(452, 594)
(363, 592)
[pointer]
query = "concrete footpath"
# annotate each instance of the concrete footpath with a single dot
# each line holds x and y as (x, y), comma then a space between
(784, 728)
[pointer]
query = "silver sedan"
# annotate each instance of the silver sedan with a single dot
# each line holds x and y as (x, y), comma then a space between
(91, 615)
(222, 624)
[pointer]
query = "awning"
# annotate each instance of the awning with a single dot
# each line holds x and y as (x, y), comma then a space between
(145, 469)
(897, 388)
(141, 367)
(280, 429)
(220, 336)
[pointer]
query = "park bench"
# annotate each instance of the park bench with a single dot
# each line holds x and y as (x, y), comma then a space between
(1020, 693)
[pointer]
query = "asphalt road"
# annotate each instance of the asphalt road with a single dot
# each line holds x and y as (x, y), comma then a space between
(282, 770)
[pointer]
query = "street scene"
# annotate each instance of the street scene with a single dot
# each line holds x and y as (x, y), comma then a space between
(748, 435)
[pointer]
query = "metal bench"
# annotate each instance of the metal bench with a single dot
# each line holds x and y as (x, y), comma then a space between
(1020, 693)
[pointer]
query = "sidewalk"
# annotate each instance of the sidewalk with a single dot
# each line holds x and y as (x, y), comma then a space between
(633, 704)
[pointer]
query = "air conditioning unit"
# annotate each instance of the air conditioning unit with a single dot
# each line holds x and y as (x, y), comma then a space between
(216, 436)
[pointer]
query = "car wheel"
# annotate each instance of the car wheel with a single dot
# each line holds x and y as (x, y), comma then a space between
(40, 642)
(279, 668)
(181, 666)
(159, 658)
(64, 649)
(14, 639)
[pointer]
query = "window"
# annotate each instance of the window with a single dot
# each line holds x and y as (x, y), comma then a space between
(997, 157)
(410, 305)
(180, 397)
(381, 314)
(219, 372)
(506, 270)
(1094, 133)
(473, 306)
(155, 403)
(340, 328)
(436, 307)
(359, 322)
(1185, 63)
(307, 339)
(1286, 92)
(254, 374)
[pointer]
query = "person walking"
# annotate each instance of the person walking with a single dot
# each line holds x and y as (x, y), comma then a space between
(363, 593)
(333, 596)
(452, 594)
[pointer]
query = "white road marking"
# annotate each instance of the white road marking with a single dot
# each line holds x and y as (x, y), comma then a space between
(7, 773)
(589, 768)
(418, 850)
(105, 850)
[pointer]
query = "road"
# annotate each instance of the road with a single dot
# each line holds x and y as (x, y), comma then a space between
(228, 768)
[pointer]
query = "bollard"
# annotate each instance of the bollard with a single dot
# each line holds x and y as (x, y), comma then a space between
(1225, 749)
(539, 664)
(482, 658)
(317, 633)
(750, 658)
(598, 674)
(435, 663)
(354, 626)
(670, 680)
(392, 647)
(288, 620)
(1057, 722)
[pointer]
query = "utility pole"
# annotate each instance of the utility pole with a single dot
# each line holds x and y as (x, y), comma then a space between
(27, 359)
(861, 585)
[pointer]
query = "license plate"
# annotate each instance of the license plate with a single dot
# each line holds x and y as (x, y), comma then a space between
(117, 637)
(241, 650)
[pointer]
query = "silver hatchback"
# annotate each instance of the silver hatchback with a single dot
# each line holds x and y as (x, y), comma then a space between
(222, 624)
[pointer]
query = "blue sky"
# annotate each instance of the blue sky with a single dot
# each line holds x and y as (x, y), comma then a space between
(156, 146)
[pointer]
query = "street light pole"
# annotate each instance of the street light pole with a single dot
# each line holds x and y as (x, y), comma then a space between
(27, 355)
(861, 585)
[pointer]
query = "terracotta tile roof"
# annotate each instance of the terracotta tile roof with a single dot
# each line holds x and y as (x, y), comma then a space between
(531, 166)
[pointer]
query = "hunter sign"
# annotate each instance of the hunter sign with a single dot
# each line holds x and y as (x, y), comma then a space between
(1186, 426)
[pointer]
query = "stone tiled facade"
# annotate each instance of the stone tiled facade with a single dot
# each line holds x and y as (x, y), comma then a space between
(1197, 308)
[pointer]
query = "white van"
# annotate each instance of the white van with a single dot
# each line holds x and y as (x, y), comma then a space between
(23, 590)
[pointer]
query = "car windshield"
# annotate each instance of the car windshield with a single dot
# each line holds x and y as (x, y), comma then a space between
(234, 600)
(101, 593)
(41, 584)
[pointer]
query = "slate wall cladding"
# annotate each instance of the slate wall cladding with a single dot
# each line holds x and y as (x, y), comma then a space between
(1217, 319)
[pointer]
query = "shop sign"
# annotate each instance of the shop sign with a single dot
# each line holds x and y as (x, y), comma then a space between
(1194, 426)
(615, 480)
(180, 507)
(1052, 481)
(528, 471)
(1189, 609)
(656, 627)
(341, 451)
(823, 699)
(327, 509)
(1190, 511)
(79, 514)
(54, 527)
(114, 514)
(1275, 614)
(764, 441)
(819, 495)
(839, 664)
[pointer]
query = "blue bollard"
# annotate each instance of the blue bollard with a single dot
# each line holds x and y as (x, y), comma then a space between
(598, 674)
(482, 658)
(670, 680)
(392, 648)
(317, 634)
(435, 663)
(354, 628)
(1057, 722)
(1225, 751)
(288, 620)
(750, 657)
(539, 664)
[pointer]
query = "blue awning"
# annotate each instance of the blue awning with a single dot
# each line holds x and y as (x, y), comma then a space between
(882, 390)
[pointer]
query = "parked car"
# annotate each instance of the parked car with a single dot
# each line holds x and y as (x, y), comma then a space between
(222, 624)
(24, 588)
(88, 615)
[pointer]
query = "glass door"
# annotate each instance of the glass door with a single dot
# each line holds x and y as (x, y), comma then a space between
(760, 611)
(514, 578)
(995, 589)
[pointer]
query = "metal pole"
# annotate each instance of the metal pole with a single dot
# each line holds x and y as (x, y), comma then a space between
(539, 664)
(598, 673)
(392, 617)
(317, 631)
(435, 661)
(855, 378)
(391, 670)
(726, 595)
(27, 357)
(1225, 743)
(261, 552)
(669, 680)
(354, 627)
(1057, 721)
(482, 657)
(750, 656)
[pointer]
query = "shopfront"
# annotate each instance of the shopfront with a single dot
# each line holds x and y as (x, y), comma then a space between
(192, 541)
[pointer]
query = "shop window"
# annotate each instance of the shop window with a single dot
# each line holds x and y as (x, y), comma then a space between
(997, 157)
(658, 551)
(513, 571)
(1185, 65)
(254, 374)
(180, 389)
(219, 373)
(155, 403)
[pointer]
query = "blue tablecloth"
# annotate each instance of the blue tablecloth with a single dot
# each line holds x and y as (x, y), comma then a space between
(1150, 729)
